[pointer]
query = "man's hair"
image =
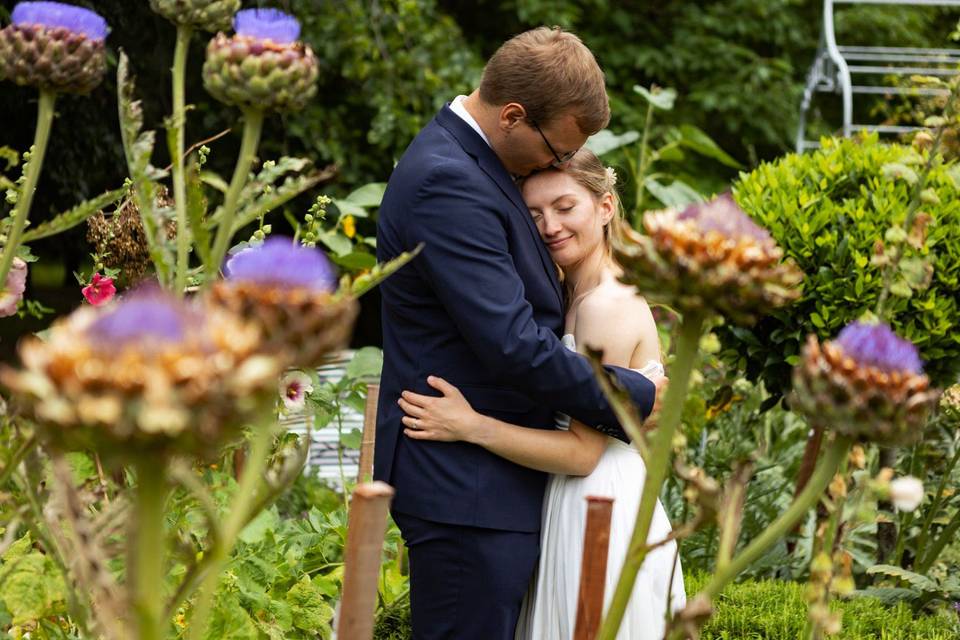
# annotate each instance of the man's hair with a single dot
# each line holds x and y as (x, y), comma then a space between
(550, 72)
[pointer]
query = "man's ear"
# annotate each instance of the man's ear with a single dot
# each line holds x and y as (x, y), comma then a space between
(511, 114)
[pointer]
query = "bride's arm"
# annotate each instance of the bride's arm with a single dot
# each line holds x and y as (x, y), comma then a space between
(450, 417)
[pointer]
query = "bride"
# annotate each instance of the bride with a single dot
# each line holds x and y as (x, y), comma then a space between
(575, 208)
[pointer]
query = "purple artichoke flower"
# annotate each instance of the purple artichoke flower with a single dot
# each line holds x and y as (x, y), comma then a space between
(876, 345)
(709, 258)
(267, 24)
(279, 262)
(142, 316)
(54, 46)
(263, 66)
(58, 14)
(723, 215)
(867, 384)
(287, 290)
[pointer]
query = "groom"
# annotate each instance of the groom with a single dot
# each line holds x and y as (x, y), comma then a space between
(481, 307)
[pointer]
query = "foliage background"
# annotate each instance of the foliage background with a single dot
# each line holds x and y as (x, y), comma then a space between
(388, 65)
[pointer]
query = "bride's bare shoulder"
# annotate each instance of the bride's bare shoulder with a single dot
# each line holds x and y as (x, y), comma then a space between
(612, 317)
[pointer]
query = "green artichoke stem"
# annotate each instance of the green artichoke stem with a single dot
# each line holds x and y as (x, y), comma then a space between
(179, 125)
(243, 500)
(41, 136)
(834, 455)
(657, 467)
(149, 577)
(934, 508)
(252, 126)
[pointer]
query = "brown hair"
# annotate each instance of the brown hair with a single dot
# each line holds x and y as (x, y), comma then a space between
(550, 72)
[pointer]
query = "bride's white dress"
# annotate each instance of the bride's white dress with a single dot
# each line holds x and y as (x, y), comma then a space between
(550, 608)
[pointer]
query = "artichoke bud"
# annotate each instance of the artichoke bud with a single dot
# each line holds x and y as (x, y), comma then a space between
(868, 384)
(263, 66)
(288, 291)
(149, 373)
(206, 15)
(711, 257)
(54, 47)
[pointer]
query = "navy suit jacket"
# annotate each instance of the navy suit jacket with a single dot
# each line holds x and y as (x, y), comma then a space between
(481, 307)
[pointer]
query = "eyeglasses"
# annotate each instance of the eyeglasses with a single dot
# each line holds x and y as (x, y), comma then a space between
(559, 159)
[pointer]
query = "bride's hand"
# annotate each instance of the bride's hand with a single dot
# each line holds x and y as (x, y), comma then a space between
(447, 418)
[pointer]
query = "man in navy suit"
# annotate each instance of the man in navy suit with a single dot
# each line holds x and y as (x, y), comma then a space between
(482, 307)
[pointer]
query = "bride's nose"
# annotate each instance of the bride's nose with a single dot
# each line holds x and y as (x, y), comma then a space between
(551, 225)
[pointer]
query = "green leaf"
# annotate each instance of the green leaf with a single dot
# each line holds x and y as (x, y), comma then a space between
(214, 180)
(352, 439)
(310, 611)
(256, 531)
(347, 208)
(369, 195)
(363, 283)
(366, 363)
(660, 98)
(917, 580)
(337, 242)
(605, 141)
(138, 149)
(356, 260)
(197, 210)
(74, 216)
(677, 194)
(697, 140)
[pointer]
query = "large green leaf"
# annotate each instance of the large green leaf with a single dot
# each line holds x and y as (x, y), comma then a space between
(697, 140)
(366, 363)
(677, 194)
(921, 582)
(605, 141)
(369, 195)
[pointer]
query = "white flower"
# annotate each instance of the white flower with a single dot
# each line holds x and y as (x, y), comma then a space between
(906, 493)
(294, 388)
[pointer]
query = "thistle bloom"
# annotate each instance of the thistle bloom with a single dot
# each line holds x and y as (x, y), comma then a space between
(150, 373)
(207, 15)
(13, 289)
(100, 290)
(709, 257)
(295, 386)
(906, 493)
(867, 384)
(263, 66)
(54, 46)
(288, 290)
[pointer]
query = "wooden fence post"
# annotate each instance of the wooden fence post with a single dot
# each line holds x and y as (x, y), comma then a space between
(365, 533)
(368, 439)
(593, 568)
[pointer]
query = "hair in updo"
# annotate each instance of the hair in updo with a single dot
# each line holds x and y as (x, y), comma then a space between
(591, 174)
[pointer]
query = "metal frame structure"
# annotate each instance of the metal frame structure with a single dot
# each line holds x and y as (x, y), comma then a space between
(835, 66)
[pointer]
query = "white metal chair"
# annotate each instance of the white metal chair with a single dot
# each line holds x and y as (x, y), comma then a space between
(835, 66)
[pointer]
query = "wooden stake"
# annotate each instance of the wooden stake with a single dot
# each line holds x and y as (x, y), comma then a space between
(593, 568)
(365, 471)
(365, 532)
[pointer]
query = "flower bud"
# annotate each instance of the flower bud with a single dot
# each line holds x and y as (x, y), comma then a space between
(206, 15)
(906, 493)
(54, 47)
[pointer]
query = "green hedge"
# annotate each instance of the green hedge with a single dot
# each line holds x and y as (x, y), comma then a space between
(773, 610)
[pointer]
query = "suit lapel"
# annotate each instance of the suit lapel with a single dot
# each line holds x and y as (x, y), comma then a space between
(490, 164)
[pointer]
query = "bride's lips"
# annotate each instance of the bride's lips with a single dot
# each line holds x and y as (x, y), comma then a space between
(556, 244)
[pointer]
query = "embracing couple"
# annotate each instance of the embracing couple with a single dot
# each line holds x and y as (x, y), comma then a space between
(491, 428)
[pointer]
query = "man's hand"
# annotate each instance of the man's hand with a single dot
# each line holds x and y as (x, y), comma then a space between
(661, 383)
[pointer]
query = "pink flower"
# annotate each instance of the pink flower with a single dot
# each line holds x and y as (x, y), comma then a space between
(100, 290)
(294, 388)
(13, 289)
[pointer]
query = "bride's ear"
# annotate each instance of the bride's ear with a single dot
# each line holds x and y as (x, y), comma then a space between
(606, 208)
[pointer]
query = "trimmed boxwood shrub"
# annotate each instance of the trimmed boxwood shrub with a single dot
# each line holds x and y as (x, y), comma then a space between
(827, 210)
(772, 610)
